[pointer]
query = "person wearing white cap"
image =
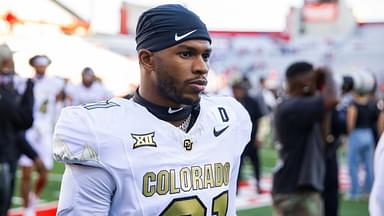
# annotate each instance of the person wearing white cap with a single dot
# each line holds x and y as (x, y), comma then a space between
(46, 89)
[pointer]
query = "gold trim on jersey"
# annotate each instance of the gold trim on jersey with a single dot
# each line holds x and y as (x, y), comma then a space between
(186, 179)
(144, 140)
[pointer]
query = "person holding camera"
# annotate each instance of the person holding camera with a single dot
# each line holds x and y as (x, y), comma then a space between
(362, 117)
(300, 117)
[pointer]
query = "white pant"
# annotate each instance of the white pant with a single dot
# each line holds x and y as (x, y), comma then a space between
(42, 144)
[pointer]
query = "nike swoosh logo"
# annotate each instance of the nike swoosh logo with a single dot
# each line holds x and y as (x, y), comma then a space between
(171, 111)
(217, 133)
(177, 37)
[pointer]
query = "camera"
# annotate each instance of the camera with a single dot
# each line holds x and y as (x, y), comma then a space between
(362, 82)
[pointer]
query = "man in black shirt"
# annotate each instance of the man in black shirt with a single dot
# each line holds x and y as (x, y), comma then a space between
(16, 115)
(299, 119)
(240, 92)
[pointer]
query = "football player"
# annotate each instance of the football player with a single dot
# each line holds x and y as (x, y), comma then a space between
(89, 90)
(39, 136)
(170, 150)
(376, 198)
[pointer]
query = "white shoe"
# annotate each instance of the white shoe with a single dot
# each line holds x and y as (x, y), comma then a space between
(29, 212)
(32, 200)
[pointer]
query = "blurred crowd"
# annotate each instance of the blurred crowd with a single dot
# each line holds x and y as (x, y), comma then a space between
(307, 120)
(313, 117)
(29, 108)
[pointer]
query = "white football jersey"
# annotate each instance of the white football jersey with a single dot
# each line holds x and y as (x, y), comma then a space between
(376, 198)
(82, 95)
(44, 116)
(44, 109)
(156, 168)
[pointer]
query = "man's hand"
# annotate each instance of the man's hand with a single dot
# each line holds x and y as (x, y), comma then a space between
(328, 87)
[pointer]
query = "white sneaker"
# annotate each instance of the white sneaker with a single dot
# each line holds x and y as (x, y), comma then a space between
(32, 200)
(29, 212)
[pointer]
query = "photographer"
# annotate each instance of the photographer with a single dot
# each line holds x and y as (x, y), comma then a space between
(299, 119)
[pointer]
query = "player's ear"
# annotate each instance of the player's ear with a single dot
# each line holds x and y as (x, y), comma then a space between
(146, 59)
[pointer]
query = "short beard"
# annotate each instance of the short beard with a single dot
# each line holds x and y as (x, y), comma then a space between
(167, 89)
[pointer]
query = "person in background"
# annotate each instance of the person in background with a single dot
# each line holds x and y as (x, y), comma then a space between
(240, 93)
(361, 119)
(298, 179)
(89, 90)
(16, 103)
(267, 95)
(338, 128)
(46, 89)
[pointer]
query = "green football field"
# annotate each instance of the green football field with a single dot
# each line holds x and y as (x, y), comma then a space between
(347, 208)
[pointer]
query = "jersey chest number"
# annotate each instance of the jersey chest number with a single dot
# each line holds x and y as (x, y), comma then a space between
(193, 206)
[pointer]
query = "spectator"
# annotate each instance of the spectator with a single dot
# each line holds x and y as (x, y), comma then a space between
(338, 128)
(240, 92)
(267, 100)
(267, 95)
(361, 119)
(299, 176)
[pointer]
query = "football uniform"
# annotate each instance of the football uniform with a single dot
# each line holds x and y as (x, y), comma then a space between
(82, 95)
(376, 198)
(141, 165)
(44, 110)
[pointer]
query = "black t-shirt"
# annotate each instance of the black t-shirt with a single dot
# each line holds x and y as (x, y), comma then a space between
(301, 164)
(366, 114)
(255, 113)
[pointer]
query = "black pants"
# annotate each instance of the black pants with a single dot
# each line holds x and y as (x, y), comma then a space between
(331, 185)
(252, 153)
(12, 169)
(5, 187)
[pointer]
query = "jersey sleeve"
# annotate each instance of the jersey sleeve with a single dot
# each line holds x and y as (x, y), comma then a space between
(74, 140)
(85, 190)
(376, 198)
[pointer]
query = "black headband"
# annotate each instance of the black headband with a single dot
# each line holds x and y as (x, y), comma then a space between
(167, 25)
